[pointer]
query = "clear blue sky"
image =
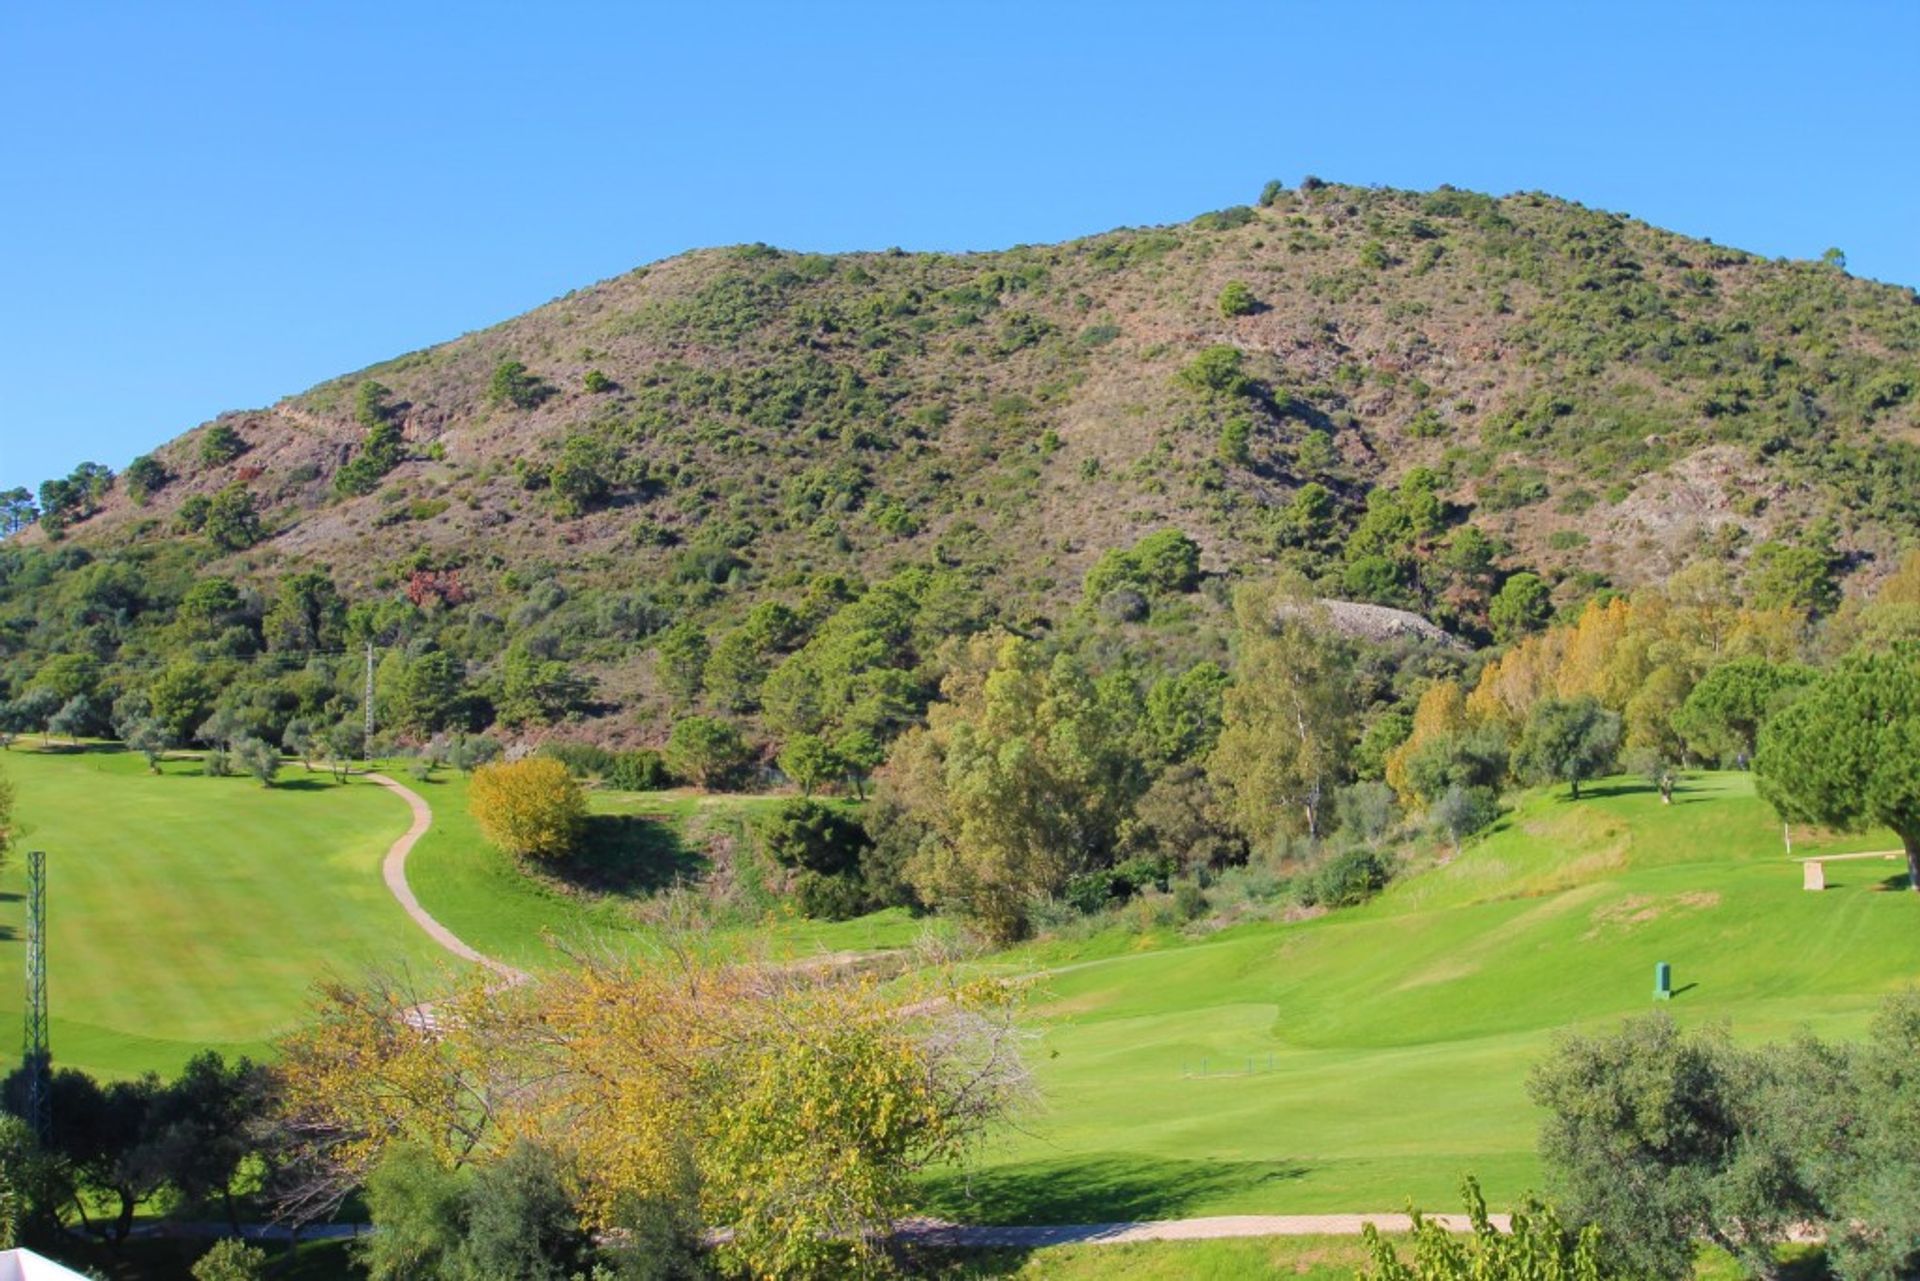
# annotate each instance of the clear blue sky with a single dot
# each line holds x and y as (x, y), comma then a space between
(208, 206)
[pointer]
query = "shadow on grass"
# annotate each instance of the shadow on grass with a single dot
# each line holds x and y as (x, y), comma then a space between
(628, 854)
(1099, 1189)
(1902, 881)
(301, 783)
(1614, 787)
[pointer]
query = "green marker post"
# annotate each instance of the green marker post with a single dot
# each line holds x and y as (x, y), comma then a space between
(1662, 981)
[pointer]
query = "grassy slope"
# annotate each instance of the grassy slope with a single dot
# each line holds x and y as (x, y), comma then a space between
(187, 912)
(480, 894)
(1390, 1043)
(190, 912)
(1400, 1035)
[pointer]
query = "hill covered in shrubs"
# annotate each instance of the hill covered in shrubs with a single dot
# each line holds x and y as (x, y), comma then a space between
(767, 487)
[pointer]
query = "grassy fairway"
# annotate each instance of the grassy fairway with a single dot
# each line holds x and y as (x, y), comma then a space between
(187, 912)
(1374, 1055)
(484, 897)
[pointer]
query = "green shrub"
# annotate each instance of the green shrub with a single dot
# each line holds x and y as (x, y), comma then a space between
(231, 1259)
(1225, 219)
(583, 760)
(1236, 435)
(1535, 1246)
(1216, 371)
(640, 770)
(381, 450)
(1237, 300)
(706, 751)
(229, 519)
(144, 476)
(221, 444)
(513, 385)
(1346, 879)
(597, 382)
(829, 898)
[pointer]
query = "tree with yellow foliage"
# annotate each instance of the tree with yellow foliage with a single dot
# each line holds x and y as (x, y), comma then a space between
(792, 1107)
(530, 808)
(1440, 714)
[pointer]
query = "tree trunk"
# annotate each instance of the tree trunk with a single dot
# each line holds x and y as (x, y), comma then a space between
(124, 1224)
(1576, 788)
(1911, 842)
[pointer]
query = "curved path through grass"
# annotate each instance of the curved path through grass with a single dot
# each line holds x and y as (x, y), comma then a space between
(1207, 1228)
(186, 912)
(394, 870)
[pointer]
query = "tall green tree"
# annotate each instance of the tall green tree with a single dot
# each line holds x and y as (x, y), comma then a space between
(1022, 778)
(232, 521)
(1567, 741)
(1722, 716)
(1288, 724)
(1846, 754)
(1660, 1137)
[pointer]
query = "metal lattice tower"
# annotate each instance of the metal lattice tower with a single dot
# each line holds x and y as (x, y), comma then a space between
(37, 1054)
(366, 742)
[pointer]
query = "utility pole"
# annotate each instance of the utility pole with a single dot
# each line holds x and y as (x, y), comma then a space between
(366, 743)
(38, 1056)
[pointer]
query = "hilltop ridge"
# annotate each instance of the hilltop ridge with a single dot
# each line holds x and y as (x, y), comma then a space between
(1597, 400)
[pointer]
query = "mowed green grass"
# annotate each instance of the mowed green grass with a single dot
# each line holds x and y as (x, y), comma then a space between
(1355, 1061)
(187, 912)
(484, 896)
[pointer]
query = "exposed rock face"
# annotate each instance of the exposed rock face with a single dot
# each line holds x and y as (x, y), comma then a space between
(1376, 623)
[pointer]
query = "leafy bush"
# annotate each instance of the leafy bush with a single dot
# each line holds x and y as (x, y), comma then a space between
(531, 808)
(1535, 1246)
(144, 476)
(640, 770)
(1237, 300)
(1225, 219)
(810, 761)
(1346, 879)
(381, 450)
(583, 760)
(258, 758)
(221, 444)
(230, 519)
(1166, 561)
(1216, 371)
(706, 751)
(582, 476)
(1523, 605)
(1236, 435)
(231, 1259)
(829, 898)
(512, 384)
(1462, 811)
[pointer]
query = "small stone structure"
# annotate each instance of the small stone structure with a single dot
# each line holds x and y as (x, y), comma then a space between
(1815, 875)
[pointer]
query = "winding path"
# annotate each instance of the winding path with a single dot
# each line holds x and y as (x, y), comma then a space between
(1201, 1229)
(930, 1232)
(394, 869)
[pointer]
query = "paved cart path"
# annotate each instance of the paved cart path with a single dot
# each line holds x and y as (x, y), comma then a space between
(1201, 1229)
(930, 1232)
(394, 869)
(933, 1232)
